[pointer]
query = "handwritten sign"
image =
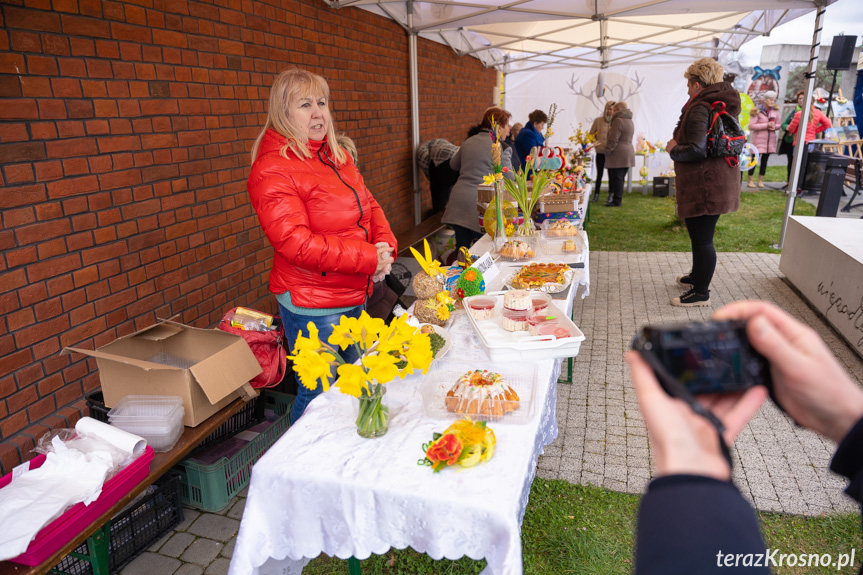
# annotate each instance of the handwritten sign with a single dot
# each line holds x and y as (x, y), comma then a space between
(486, 265)
(847, 309)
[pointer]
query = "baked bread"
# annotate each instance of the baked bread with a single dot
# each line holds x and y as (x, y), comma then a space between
(516, 250)
(562, 228)
(481, 392)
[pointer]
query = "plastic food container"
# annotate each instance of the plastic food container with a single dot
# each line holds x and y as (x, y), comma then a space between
(518, 249)
(515, 319)
(540, 301)
(156, 418)
(544, 321)
(509, 346)
(481, 307)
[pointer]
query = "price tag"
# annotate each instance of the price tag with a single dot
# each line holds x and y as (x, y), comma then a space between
(486, 265)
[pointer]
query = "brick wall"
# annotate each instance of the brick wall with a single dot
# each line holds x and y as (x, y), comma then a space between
(124, 136)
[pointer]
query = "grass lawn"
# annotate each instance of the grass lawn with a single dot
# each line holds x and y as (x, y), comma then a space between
(575, 529)
(652, 226)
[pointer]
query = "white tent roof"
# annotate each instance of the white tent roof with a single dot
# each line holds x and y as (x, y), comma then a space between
(521, 35)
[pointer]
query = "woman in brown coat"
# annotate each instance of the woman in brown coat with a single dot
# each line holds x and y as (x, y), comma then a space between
(619, 152)
(599, 130)
(706, 186)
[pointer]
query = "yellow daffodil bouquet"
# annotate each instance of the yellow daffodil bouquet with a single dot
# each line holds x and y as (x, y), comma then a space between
(386, 352)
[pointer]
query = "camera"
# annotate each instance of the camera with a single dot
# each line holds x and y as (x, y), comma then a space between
(712, 357)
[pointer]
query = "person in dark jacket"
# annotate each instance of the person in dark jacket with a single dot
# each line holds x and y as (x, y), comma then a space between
(706, 186)
(692, 518)
(529, 137)
(619, 152)
(329, 235)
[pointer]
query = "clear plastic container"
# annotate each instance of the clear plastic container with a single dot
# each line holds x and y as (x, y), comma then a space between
(540, 301)
(518, 249)
(515, 319)
(156, 418)
(147, 409)
(542, 321)
(482, 307)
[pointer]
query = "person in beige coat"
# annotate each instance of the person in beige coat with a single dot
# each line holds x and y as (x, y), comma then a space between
(599, 129)
(619, 152)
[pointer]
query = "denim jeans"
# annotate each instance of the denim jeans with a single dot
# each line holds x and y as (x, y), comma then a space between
(294, 323)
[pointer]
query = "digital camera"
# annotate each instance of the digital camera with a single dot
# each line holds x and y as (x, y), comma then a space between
(712, 357)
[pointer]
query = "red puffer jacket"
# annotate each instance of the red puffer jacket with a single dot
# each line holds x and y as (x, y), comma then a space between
(322, 222)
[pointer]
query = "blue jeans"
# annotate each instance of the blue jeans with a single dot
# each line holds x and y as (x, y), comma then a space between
(295, 323)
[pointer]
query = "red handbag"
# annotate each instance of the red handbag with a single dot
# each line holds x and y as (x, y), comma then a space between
(268, 348)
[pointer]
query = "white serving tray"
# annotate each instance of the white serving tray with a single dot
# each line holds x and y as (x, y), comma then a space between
(503, 345)
(442, 376)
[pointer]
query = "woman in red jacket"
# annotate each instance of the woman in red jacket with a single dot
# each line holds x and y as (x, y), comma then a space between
(329, 235)
(818, 122)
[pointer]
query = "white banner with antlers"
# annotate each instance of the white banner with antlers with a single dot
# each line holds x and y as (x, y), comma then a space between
(654, 93)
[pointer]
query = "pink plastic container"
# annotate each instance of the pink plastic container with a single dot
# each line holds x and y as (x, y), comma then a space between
(60, 531)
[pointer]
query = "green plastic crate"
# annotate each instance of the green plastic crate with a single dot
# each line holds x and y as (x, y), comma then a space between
(211, 487)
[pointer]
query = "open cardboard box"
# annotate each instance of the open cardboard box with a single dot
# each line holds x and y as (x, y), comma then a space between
(205, 367)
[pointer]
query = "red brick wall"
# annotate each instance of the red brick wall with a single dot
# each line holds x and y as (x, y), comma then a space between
(124, 136)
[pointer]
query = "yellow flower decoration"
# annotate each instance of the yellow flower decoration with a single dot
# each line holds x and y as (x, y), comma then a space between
(381, 366)
(443, 312)
(347, 332)
(313, 367)
(352, 379)
(430, 265)
(488, 180)
(418, 354)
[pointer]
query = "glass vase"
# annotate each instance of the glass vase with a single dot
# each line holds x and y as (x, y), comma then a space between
(527, 228)
(500, 223)
(373, 412)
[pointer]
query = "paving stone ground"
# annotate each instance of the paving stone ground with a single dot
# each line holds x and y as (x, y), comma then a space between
(602, 439)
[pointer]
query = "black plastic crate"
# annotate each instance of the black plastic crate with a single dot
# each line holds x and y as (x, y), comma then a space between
(133, 530)
(250, 414)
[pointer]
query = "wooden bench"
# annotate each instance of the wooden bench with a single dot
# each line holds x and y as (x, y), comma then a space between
(417, 234)
(98, 531)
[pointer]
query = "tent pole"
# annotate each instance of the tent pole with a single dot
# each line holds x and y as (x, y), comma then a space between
(791, 190)
(415, 117)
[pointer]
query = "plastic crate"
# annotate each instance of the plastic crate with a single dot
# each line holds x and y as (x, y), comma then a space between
(250, 414)
(133, 530)
(211, 487)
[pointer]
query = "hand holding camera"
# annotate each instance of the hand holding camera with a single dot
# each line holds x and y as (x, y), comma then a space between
(808, 382)
(729, 365)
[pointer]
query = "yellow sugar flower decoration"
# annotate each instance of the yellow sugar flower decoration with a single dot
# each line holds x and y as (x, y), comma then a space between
(443, 312)
(430, 265)
(352, 379)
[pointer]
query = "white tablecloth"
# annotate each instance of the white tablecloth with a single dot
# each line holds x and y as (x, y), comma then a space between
(323, 488)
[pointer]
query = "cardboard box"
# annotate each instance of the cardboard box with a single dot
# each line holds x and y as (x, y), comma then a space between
(205, 367)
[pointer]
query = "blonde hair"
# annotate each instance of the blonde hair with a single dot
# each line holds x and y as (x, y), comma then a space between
(705, 71)
(349, 145)
(289, 85)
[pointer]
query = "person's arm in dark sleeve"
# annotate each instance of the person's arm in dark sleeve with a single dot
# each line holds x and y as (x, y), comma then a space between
(690, 524)
(695, 128)
(848, 461)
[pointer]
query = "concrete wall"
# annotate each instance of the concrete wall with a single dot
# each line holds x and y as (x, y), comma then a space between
(125, 130)
(784, 54)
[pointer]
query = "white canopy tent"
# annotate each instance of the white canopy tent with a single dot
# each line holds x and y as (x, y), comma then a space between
(529, 35)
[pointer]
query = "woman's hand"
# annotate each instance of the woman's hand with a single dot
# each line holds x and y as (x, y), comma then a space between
(670, 145)
(684, 442)
(385, 259)
(808, 381)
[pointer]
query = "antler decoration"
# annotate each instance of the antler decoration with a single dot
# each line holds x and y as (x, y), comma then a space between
(430, 265)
